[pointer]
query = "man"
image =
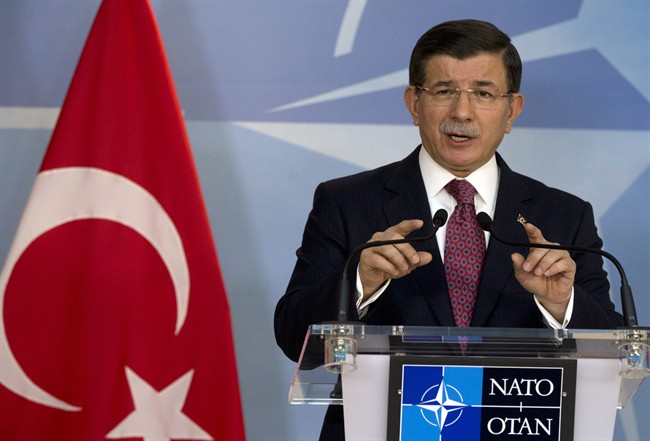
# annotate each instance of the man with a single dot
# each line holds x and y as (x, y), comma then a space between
(463, 95)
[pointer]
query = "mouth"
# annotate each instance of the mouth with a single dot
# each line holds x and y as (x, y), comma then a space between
(459, 138)
(459, 132)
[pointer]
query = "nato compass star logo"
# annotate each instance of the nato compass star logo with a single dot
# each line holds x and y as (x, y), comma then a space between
(435, 398)
(445, 408)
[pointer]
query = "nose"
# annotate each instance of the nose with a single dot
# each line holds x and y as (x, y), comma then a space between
(461, 108)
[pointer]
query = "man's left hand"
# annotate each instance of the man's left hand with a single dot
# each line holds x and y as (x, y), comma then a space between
(548, 274)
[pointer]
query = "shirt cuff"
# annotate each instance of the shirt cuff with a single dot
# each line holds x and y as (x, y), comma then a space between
(550, 320)
(362, 308)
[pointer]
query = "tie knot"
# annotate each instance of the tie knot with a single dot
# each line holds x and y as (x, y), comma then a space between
(461, 190)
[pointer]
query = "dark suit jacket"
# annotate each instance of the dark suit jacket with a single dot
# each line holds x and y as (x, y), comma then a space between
(347, 211)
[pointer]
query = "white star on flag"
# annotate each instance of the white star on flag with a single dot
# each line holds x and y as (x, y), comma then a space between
(157, 415)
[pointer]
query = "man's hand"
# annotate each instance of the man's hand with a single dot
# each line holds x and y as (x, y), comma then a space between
(378, 264)
(548, 274)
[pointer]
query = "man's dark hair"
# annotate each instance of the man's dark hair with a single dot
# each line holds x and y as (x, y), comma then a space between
(462, 39)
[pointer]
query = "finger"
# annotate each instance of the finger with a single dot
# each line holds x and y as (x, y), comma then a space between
(425, 258)
(397, 266)
(390, 259)
(534, 234)
(539, 260)
(409, 253)
(524, 277)
(555, 284)
(530, 266)
(384, 264)
(518, 264)
(402, 256)
(551, 259)
(374, 272)
(381, 266)
(554, 266)
(406, 258)
(406, 227)
(535, 256)
(399, 232)
(517, 260)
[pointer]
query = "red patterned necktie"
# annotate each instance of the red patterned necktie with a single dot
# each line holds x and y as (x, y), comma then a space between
(464, 252)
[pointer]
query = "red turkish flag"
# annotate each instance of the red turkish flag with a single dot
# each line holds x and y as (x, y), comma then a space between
(115, 322)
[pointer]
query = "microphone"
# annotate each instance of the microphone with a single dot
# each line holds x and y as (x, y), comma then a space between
(439, 220)
(627, 300)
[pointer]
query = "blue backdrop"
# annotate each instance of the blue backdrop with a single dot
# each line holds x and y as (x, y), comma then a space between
(281, 95)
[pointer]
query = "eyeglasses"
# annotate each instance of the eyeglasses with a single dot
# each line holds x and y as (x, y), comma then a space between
(479, 98)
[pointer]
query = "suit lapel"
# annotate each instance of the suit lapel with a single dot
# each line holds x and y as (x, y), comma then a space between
(410, 202)
(512, 200)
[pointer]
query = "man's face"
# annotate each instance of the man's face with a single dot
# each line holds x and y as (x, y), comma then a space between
(461, 135)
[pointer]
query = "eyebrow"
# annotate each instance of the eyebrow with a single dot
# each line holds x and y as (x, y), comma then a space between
(476, 83)
(484, 83)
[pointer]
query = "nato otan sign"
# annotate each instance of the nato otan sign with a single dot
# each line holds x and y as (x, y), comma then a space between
(457, 399)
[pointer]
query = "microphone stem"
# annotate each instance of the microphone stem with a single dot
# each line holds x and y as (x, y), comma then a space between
(344, 288)
(627, 299)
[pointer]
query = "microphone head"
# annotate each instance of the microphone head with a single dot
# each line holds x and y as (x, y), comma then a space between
(485, 221)
(440, 218)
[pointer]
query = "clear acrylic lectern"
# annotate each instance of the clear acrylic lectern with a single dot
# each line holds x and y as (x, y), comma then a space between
(348, 364)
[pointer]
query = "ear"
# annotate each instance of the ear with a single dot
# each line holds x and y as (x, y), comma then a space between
(411, 100)
(516, 106)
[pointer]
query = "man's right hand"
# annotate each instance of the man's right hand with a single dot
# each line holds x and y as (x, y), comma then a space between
(379, 264)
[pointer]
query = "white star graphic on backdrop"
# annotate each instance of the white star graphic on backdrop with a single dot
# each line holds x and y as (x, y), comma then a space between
(158, 416)
(442, 406)
(567, 37)
(372, 145)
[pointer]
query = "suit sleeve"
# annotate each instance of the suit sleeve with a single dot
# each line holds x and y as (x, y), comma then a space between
(592, 308)
(311, 294)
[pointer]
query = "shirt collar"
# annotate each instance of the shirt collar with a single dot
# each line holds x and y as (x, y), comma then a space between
(485, 179)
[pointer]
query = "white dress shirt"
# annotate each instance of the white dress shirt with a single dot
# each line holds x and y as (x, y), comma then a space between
(486, 181)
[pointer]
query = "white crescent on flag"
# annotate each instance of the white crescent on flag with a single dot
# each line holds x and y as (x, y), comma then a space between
(68, 194)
